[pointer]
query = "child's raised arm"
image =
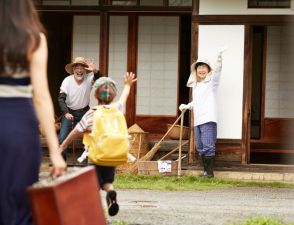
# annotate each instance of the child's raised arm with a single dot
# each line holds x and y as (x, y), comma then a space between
(219, 58)
(129, 79)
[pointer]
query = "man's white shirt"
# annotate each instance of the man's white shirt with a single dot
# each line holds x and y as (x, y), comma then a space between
(77, 96)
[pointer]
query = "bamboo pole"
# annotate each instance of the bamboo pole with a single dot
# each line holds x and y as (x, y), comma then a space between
(154, 149)
(139, 146)
(173, 150)
(180, 144)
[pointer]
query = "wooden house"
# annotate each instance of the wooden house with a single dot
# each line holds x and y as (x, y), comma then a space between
(158, 40)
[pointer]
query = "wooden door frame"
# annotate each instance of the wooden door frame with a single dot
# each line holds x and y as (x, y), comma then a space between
(247, 91)
(104, 43)
(194, 56)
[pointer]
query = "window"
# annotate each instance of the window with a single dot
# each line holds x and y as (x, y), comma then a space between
(269, 3)
(55, 2)
(180, 2)
(67, 2)
(151, 2)
(124, 2)
(157, 68)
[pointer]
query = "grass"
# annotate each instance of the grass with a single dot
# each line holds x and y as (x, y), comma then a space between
(124, 181)
(261, 221)
(250, 221)
(119, 222)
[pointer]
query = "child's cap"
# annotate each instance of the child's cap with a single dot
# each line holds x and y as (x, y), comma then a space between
(200, 61)
(105, 89)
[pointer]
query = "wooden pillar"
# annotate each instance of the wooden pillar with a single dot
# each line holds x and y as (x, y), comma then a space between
(104, 43)
(247, 90)
(194, 55)
(132, 66)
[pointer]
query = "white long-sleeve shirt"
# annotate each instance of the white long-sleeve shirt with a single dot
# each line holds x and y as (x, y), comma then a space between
(205, 97)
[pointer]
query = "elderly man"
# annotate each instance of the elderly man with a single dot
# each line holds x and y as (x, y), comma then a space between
(74, 96)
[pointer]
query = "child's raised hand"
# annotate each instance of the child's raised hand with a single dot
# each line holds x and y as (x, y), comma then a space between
(129, 78)
(220, 52)
(222, 49)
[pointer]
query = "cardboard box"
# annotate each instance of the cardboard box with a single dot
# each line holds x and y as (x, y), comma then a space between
(151, 168)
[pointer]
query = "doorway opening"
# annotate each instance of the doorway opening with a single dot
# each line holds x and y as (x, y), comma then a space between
(59, 40)
(257, 75)
(184, 63)
(269, 128)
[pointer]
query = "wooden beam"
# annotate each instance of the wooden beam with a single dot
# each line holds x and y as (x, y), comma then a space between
(132, 66)
(109, 8)
(195, 7)
(194, 55)
(104, 43)
(243, 19)
(247, 90)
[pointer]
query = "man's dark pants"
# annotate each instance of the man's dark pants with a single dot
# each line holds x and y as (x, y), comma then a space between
(68, 125)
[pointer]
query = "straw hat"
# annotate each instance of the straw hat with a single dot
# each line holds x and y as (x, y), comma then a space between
(77, 60)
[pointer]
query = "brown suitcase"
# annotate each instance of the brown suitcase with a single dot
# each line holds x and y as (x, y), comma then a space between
(72, 199)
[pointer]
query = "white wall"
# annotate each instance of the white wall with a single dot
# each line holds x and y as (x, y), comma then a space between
(236, 7)
(230, 93)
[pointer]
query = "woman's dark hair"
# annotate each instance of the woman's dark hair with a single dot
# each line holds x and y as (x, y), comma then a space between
(203, 64)
(20, 34)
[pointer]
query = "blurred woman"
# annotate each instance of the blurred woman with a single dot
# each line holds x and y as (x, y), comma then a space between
(25, 102)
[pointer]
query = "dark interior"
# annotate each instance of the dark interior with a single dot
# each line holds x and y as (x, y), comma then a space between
(59, 36)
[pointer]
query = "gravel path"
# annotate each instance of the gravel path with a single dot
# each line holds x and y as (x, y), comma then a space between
(216, 207)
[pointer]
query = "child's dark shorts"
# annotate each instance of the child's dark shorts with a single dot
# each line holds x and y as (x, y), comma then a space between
(105, 174)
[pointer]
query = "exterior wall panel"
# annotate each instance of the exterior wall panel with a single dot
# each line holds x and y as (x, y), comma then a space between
(230, 92)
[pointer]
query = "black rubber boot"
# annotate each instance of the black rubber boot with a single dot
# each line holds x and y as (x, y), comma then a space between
(209, 161)
(204, 163)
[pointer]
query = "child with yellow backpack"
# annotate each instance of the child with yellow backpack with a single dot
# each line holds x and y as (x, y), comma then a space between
(105, 134)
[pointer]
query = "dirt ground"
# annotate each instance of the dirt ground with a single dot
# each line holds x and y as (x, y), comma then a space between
(215, 207)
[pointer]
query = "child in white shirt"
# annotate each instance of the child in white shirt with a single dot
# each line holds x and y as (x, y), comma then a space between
(204, 82)
(105, 92)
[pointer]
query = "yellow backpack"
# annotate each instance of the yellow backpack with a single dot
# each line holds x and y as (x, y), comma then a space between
(108, 143)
